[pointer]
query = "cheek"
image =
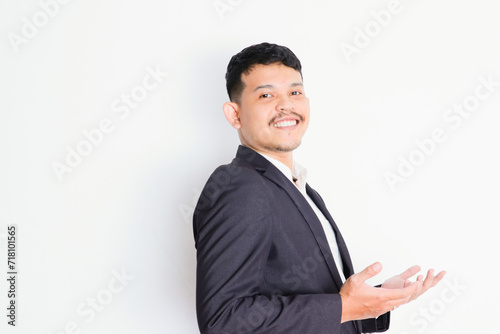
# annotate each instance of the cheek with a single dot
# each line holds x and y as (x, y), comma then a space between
(305, 110)
(306, 113)
(306, 125)
(254, 126)
(304, 104)
(256, 119)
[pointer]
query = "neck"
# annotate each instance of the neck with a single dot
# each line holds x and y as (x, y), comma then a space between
(284, 157)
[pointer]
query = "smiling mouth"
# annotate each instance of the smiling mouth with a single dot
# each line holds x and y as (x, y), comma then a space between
(284, 124)
(285, 121)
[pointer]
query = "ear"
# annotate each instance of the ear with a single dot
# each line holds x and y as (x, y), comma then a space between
(231, 111)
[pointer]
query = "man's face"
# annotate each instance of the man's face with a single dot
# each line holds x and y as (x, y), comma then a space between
(273, 111)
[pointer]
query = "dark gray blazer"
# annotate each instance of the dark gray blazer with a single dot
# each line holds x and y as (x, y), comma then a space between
(263, 261)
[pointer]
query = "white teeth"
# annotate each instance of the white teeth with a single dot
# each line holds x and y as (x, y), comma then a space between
(284, 124)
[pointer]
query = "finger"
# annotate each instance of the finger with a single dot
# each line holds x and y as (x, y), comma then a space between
(367, 273)
(438, 278)
(428, 280)
(410, 272)
(417, 283)
(420, 278)
(418, 292)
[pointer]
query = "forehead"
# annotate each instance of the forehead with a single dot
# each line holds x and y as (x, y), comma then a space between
(273, 74)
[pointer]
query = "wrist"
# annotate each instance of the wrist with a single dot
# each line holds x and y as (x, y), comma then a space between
(346, 313)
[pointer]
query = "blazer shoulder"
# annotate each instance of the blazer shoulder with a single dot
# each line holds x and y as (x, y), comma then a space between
(232, 190)
(238, 171)
(238, 179)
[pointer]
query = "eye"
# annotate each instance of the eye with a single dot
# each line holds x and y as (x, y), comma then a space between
(265, 95)
(296, 92)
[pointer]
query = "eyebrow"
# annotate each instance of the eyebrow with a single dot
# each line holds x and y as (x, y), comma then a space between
(295, 84)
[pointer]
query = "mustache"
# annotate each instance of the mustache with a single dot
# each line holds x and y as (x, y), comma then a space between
(283, 115)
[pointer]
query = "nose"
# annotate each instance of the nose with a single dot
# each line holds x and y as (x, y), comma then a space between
(285, 104)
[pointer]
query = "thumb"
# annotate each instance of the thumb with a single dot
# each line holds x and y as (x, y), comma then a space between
(369, 272)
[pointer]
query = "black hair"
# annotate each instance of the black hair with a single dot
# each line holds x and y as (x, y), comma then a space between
(246, 59)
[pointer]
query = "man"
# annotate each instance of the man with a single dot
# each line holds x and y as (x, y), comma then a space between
(270, 258)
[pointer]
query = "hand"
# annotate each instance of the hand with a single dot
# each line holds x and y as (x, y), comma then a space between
(401, 281)
(362, 301)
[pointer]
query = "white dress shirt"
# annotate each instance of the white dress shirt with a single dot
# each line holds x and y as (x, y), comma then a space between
(299, 173)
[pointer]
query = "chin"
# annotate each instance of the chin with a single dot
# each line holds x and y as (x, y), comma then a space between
(286, 147)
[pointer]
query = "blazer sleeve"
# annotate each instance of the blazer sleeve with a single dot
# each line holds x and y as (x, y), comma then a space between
(380, 324)
(233, 225)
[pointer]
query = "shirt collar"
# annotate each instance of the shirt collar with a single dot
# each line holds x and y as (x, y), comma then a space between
(298, 172)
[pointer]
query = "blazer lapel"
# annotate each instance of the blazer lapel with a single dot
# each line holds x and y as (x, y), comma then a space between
(275, 175)
(346, 258)
(344, 253)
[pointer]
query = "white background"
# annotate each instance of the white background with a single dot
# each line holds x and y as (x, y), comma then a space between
(126, 207)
